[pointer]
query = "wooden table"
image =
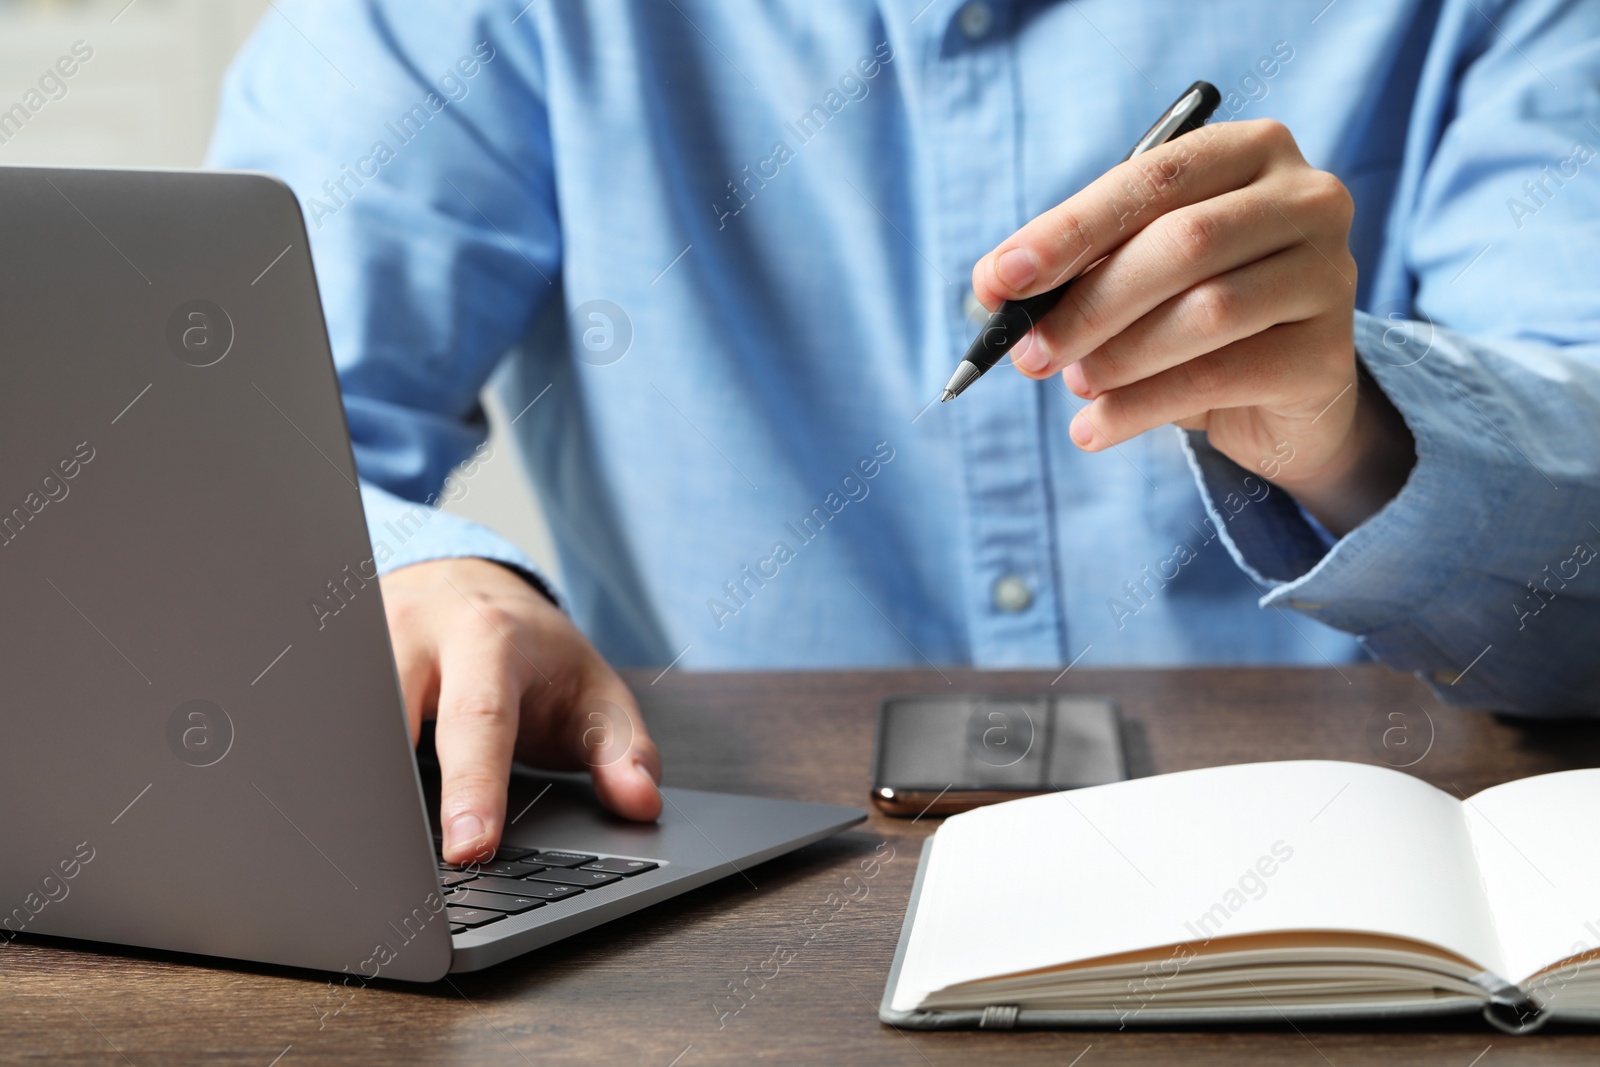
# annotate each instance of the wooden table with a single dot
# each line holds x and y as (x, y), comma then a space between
(655, 989)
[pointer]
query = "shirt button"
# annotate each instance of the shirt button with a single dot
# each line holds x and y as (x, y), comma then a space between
(975, 20)
(975, 312)
(1012, 594)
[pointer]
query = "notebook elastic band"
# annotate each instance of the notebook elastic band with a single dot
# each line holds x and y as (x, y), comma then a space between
(999, 1017)
(1509, 1009)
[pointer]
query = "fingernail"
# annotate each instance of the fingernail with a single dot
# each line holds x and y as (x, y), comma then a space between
(639, 766)
(1073, 376)
(463, 830)
(1082, 432)
(1017, 268)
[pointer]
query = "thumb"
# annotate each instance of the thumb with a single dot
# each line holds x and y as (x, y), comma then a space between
(606, 733)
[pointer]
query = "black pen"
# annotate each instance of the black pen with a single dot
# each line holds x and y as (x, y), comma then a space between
(1015, 318)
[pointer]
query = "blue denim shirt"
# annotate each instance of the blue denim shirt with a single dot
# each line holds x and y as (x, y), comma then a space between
(727, 247)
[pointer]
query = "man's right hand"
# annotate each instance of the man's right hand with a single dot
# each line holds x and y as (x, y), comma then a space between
(505, 672)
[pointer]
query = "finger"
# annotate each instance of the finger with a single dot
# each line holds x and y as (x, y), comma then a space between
(1210, 315)
(415, 665)
(1060, 243)
(607, 734)
(479, 694)
(1174, 253)
(414, 659)
(1271, 368)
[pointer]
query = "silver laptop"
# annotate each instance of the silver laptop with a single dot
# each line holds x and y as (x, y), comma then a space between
(191, 760)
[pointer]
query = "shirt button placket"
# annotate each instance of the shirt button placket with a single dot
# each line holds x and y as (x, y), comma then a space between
(1013, 613)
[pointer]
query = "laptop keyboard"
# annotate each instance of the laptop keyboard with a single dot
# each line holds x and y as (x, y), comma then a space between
(515, 881)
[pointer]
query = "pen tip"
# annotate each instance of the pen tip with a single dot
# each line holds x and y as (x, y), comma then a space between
(947, 397)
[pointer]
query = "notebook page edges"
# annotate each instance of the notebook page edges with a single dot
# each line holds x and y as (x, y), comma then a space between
(1188, 857)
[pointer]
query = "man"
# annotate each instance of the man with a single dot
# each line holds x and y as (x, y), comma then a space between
(731, 246)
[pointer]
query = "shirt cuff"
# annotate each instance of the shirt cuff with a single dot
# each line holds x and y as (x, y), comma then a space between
(1389, 580)
(404, 532)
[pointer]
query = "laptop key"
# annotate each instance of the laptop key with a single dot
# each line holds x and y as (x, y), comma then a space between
(622, 867)
(546, 891)
(508, 868)
(518, 887)
(492, 901)
(450, 876)
(491, 883)
(458, 929)
(472, 916)
(557, 858)
(504, 853)
(501, 856)
(582, 879)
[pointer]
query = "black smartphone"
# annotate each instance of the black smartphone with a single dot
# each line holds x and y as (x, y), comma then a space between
(938, 755)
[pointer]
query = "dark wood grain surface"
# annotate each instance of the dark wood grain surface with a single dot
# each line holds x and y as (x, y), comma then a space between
(655, 988)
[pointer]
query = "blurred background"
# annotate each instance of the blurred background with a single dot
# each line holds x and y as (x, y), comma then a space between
(146, 96)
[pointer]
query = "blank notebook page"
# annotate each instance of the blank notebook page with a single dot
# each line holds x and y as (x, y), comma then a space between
(1541, 867)
(1076, 875)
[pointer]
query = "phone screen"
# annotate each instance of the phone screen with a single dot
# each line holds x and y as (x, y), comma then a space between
(1000, 744)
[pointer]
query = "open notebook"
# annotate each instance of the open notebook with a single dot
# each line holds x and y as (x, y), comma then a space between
(1258, 892)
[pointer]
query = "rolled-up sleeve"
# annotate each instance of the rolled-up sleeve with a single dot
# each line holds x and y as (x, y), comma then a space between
(1482, 575)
